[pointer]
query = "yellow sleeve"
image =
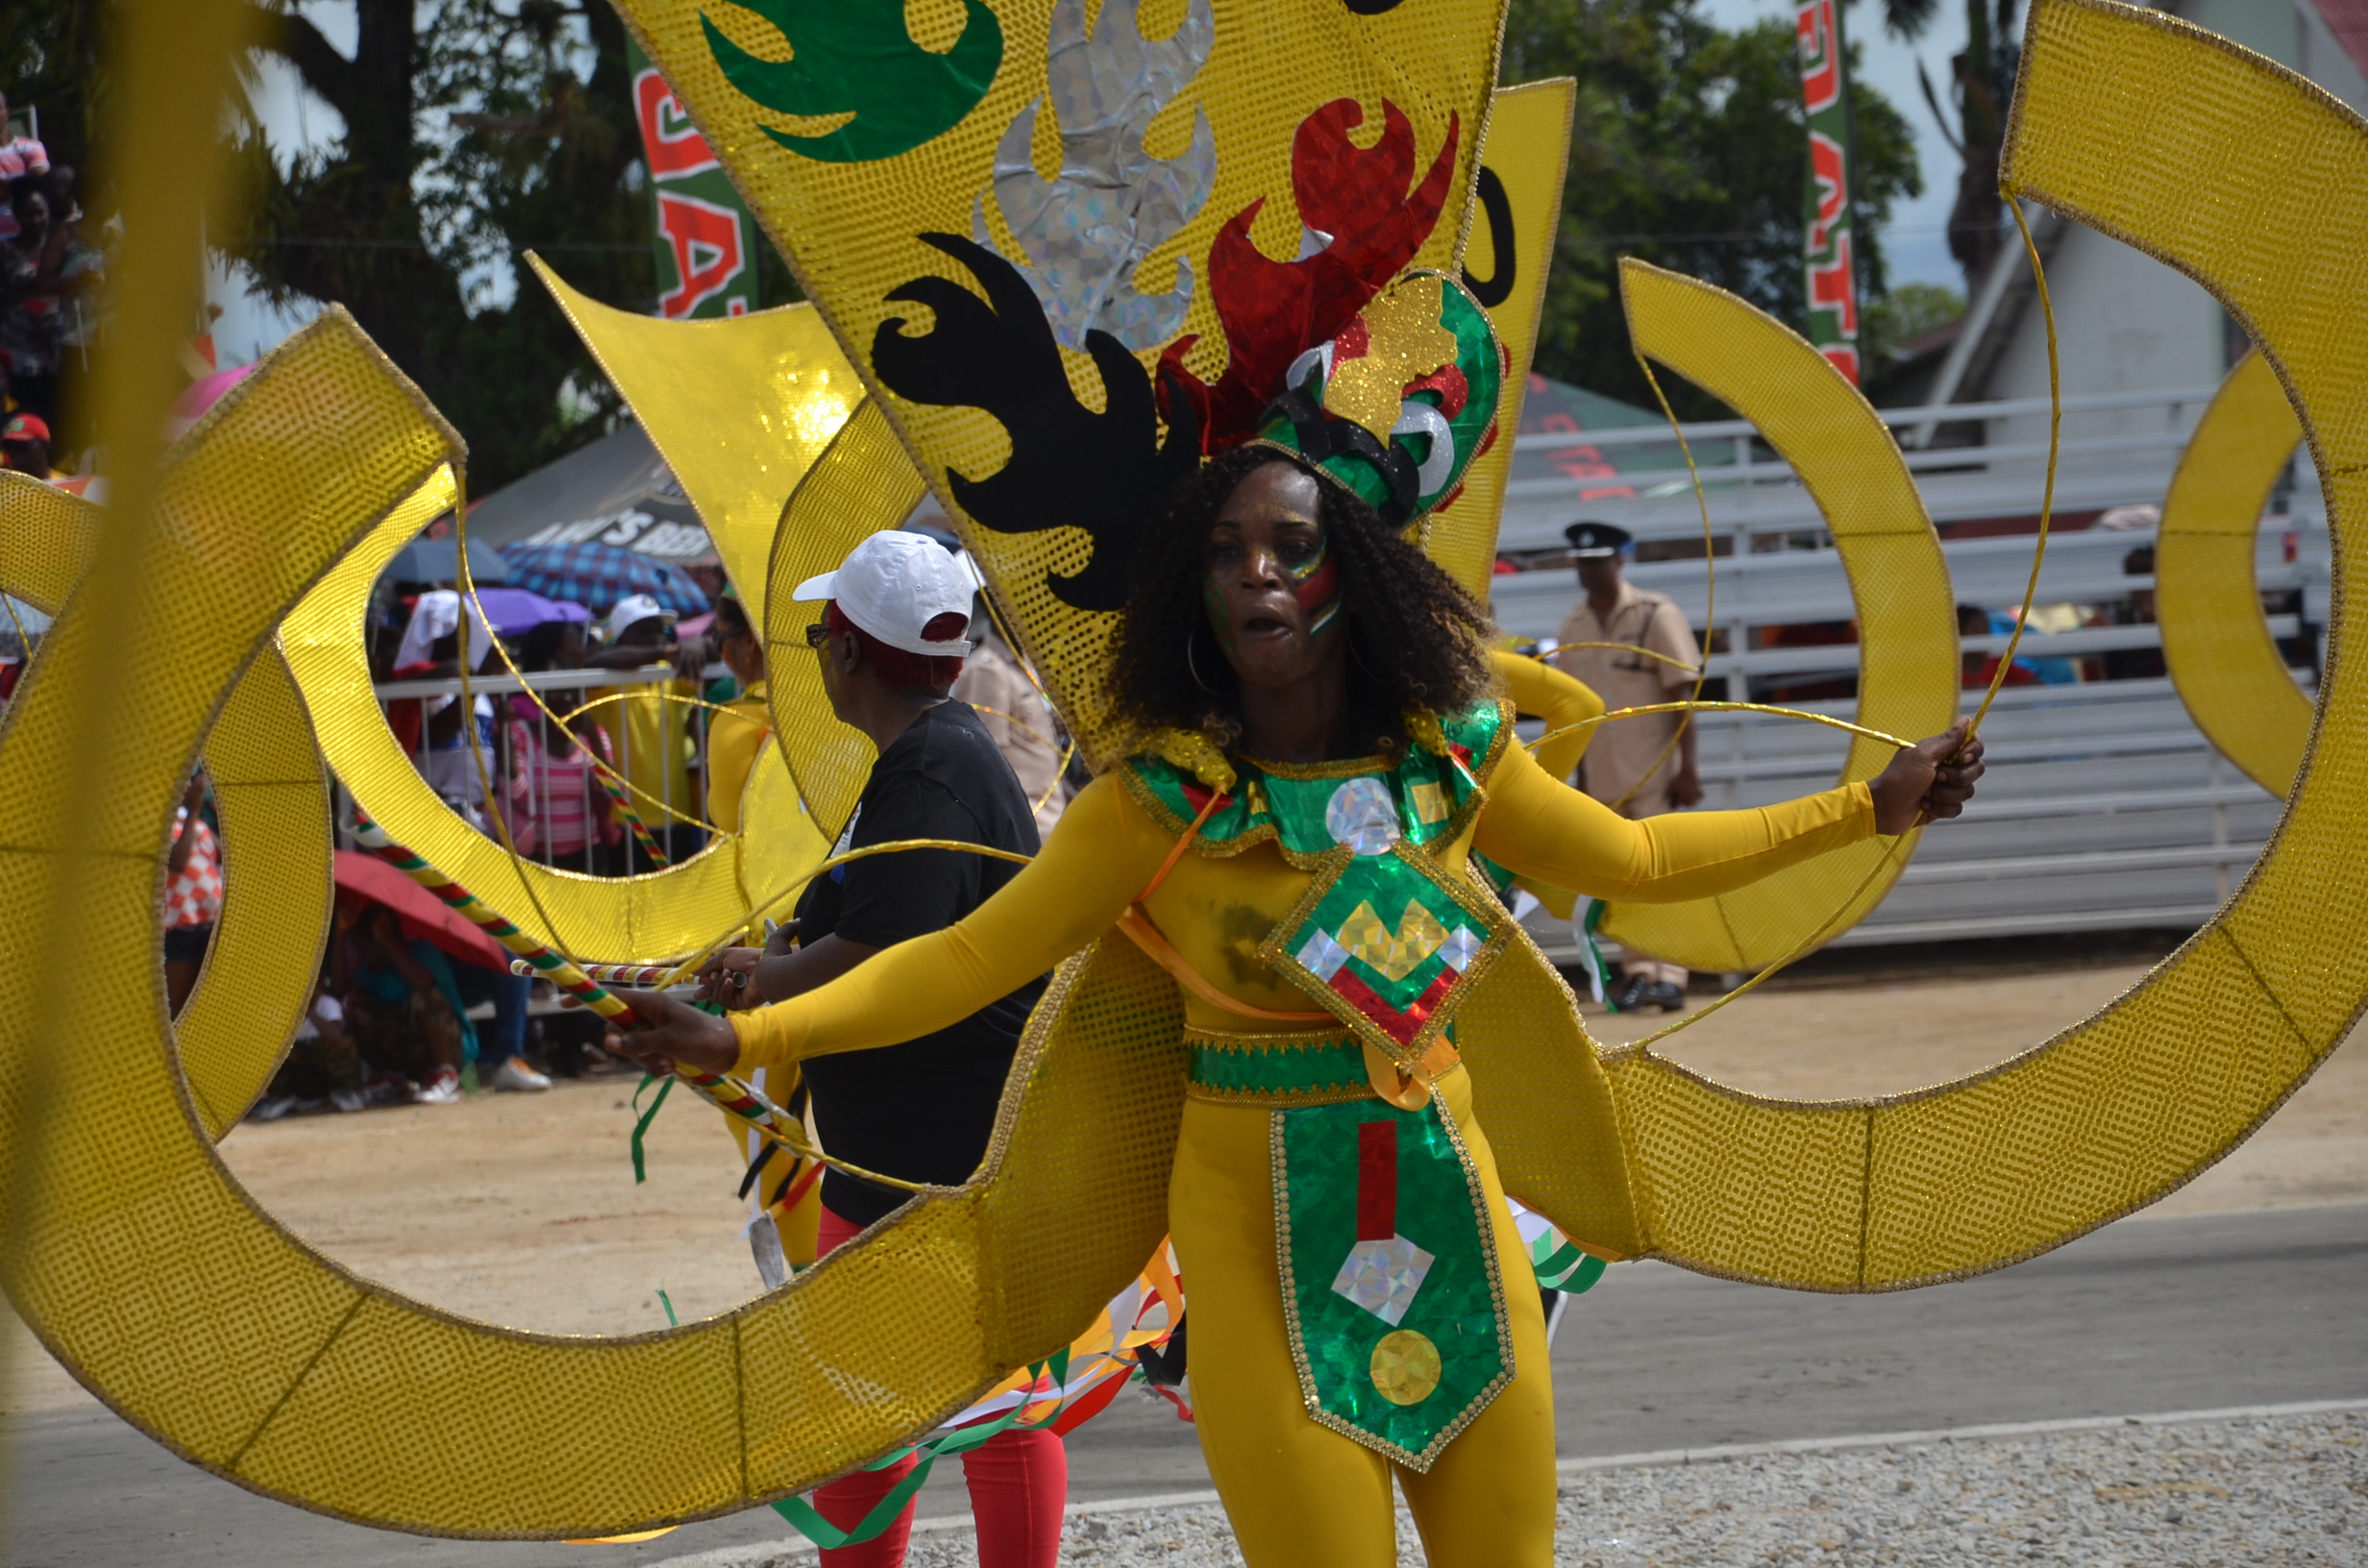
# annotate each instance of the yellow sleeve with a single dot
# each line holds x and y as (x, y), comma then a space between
(1099, 858)
(1538, 689)
(1548, 832)
(733, 740)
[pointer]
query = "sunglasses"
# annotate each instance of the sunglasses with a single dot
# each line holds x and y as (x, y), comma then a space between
(817, 634)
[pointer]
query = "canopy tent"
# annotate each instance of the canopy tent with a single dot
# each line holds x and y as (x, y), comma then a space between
(613, 491)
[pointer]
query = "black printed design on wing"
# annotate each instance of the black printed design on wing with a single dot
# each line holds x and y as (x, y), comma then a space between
(1069, 467)
(1497, 287)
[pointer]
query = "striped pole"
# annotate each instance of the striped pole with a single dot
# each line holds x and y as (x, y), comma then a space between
(623, 976)
(632, 819)
(726, 1094)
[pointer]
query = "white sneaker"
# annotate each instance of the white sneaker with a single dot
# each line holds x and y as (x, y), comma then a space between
(514, 1077)
(442, 1087)
(273, 1108)
(347, 1101)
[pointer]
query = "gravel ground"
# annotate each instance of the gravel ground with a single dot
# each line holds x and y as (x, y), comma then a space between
(2253, 1493)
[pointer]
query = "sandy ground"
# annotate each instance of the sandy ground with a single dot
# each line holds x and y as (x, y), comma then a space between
(523, 1209)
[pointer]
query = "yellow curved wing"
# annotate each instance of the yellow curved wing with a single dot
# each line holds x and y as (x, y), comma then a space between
(2227, 668)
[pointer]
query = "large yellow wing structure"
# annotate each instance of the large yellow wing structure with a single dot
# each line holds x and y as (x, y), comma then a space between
(200, 1319)
(1517, 215)
(272, 799)
(740, 409)
(2254, 183)
(970, 273)
(1899, 583)
(2227, 668)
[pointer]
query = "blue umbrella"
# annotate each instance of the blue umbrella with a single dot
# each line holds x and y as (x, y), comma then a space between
(438, 561)
(596, 575)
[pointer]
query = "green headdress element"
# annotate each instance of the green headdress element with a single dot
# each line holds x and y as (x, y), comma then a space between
(1398, 405)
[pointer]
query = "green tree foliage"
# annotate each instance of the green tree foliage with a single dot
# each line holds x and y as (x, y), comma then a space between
(1688, 150)
(1907, 312)
(49, 61)
(473, 130)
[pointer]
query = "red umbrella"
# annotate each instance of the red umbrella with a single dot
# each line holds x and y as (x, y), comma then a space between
(423, 915)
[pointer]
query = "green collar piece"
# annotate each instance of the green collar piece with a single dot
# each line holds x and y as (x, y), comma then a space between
(1428, 798)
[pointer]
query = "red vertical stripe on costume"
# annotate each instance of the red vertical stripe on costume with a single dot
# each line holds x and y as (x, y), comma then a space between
(1376, 1180)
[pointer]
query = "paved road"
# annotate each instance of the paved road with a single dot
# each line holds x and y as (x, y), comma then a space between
(2148, 1315)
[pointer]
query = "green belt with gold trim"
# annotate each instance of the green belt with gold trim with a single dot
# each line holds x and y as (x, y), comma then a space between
(1391, 1297)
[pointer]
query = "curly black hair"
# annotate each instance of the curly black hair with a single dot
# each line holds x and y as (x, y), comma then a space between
(1417, 639)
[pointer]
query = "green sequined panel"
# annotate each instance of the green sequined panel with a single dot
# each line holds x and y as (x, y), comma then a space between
(1279, 1073)
(1396, 1314)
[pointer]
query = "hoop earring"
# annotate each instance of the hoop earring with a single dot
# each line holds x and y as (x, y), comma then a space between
(1191, 663)
(1359, 658)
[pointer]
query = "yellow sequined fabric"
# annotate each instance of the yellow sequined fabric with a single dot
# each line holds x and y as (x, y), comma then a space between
(854, 226)
(1898, 584)
(1528, 146)
(2253, 183)
(2228, 670)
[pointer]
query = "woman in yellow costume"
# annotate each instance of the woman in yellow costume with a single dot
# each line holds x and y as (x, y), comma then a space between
(1322, 755)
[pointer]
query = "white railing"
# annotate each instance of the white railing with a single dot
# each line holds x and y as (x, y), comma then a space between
(2105, 806)
(456, 780)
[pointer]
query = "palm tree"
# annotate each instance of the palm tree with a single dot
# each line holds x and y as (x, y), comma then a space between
(1982, 83)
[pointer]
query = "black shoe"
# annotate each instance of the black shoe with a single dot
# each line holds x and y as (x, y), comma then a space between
(1632, 995)
(1668, 996)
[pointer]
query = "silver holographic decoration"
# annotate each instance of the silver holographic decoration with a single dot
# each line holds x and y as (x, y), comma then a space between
(1089, 230)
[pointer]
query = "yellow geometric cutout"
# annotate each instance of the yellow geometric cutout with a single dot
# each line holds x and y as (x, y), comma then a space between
(1405, 1367)
(1404, 340)
(1391, 954)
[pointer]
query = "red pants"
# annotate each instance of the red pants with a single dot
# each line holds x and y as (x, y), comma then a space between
(1018, 1484)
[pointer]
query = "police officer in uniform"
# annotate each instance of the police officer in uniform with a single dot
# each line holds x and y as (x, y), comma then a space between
(1637, 766)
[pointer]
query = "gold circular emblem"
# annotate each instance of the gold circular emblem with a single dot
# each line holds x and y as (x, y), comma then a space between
(1405, 1367)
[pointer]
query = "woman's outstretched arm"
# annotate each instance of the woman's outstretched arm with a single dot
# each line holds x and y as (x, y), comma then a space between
(1100, 856)
(1561, 700)
(1551, 833)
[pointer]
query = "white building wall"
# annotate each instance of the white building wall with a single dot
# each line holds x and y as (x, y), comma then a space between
(2126, 321)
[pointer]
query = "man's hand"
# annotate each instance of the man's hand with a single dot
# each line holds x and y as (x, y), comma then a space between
(724, 978)
(1929, 781)
(1685, 789)
(674, 1032)
(783, 940)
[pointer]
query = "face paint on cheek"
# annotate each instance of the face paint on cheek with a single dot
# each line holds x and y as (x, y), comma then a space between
(1318, 587)
(1220, 615)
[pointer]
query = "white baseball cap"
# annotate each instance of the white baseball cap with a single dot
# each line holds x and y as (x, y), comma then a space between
(630, 611)
(893, 585)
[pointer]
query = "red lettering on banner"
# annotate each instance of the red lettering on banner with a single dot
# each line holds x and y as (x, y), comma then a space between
(1844, 357)
(1829, 287)
(705, 240)
(1820, 65)
(1828, 168)
(670, 143)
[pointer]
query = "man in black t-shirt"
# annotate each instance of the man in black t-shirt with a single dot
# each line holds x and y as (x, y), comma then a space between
(891, 638)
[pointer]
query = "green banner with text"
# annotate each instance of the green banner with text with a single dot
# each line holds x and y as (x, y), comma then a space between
(1833, 279)
(706, 241)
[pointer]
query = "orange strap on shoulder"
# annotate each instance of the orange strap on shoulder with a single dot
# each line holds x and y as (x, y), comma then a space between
(1183, 843)
(1139, 929)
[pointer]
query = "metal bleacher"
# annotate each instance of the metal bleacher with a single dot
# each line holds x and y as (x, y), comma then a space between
(2105, 806)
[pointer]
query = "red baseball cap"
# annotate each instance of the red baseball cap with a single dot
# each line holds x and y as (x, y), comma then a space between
(25, 427)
